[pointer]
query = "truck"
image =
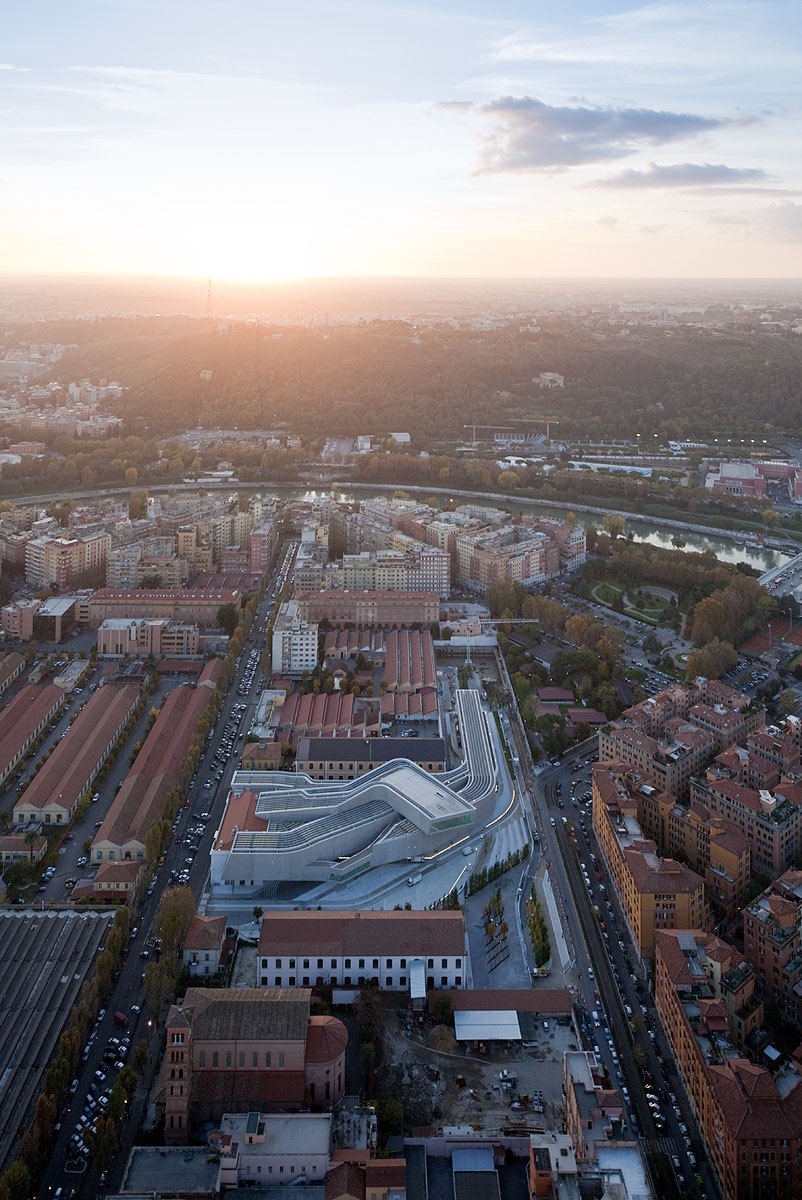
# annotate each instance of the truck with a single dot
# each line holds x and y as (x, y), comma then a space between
(413, 879)
(120, 1018)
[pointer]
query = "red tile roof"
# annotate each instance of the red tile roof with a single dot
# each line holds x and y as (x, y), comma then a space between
(399, 932)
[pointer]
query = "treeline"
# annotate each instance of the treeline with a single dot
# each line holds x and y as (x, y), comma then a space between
(687, 382)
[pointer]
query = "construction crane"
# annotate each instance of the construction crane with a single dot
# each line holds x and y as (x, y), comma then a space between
(475, 427)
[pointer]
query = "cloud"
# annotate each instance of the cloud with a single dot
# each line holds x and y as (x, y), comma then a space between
(683, 175)
(781, 222)
(529, 135)
(774, 223)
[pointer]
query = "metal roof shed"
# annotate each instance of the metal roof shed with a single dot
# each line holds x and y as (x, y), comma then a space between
(499, 1026)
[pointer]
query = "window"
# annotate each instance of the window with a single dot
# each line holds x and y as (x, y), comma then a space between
(202, 1059)
(403, 981)
(255, 1058)
(278, 963)
(362, 962)
(215, 1057)
(306, 964)
(320, 962)
(292, 964)
(278, 981)
(403, 963)
(268, 1059)
(388, 962)
(281, 1058)
(242, 1058)
(388, 981)
(348, 962)
(228, 1058)
(430, 963)
(334, 962)
(443, 980)
(443, 963)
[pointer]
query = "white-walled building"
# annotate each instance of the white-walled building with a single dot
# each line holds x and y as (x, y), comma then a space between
(295, 642)
(257, 1149)
(306, 948)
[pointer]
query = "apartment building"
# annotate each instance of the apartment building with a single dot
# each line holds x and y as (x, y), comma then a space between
(668, 762)
(712, 846)
(57, 560)
(509, 554)
(350, 949)
(655, 893)
(773, 943)
(295, 645)
(594, 1114)
(230, 529)
(194, 547)
(262, 546)
(771, 820)
(751, 1120)
(124, 565)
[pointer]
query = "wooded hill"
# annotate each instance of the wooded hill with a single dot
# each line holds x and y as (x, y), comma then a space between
(381, 376)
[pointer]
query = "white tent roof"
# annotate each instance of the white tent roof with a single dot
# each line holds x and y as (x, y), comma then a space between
(500, 1025)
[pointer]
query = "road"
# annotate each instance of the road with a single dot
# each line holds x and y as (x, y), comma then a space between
(127, 989)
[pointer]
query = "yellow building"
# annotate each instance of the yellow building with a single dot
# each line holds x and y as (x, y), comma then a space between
(655, 893)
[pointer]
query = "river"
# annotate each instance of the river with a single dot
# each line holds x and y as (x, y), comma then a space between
(726, 549)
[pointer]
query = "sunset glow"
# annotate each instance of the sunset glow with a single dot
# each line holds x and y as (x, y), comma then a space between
(233, 138)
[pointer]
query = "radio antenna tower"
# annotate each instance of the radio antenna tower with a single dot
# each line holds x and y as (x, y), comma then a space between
(209, 298)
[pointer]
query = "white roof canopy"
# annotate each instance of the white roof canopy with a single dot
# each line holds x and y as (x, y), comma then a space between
(498, 1025)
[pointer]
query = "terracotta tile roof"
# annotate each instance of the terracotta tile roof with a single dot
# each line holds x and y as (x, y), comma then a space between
(751, 1105)
(533, 1000)
(362, 933)
(386, 1172)
(345, 1182)
(205, 933)
(64, 775)
(240, 814)
(652, 874)
(156, 769)
(29, 708)
(125, 872)
(326, 1039)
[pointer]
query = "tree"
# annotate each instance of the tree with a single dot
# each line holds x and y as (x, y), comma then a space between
(138, 504)
(227, 618)
(31, 838)
(158, 985)
(16, 1183)
(172, 920)
(131, 476)
(787, 702)
(711, 661)
(614, 524)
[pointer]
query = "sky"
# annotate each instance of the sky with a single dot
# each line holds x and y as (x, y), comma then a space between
(263, 140)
